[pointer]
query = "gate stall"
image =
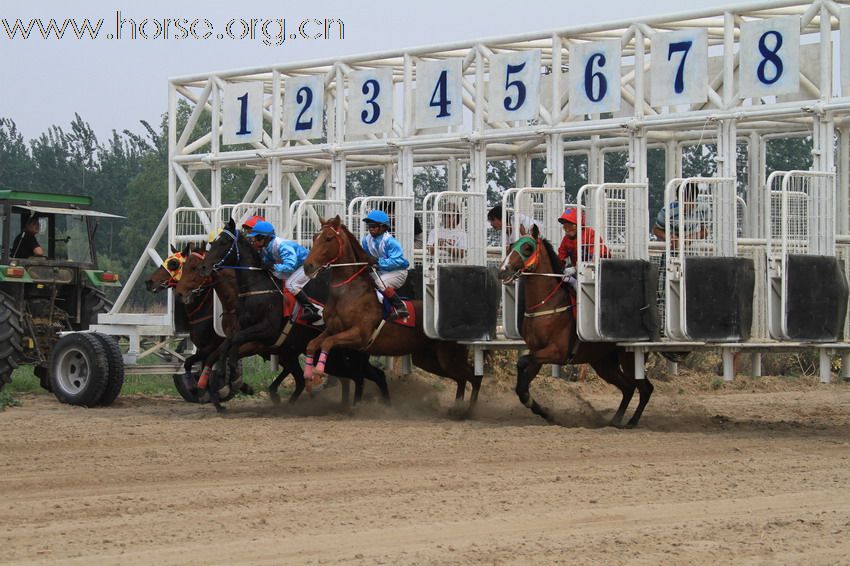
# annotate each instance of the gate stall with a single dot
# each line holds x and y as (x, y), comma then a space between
(460, 293)
(522, 208)
(807, 288)
(616, 281)
(709, 289)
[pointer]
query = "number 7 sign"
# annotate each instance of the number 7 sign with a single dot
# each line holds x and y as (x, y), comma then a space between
(679, 68)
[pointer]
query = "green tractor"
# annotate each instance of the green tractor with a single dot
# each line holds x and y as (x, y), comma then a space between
(50, 289)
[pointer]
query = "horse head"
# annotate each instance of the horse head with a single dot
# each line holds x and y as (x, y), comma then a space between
(330, 245)
(168, 274)
(523, 256)
(191, 281)
(221, 251)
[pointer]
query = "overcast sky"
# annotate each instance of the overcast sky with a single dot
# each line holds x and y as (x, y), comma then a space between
(115, 83)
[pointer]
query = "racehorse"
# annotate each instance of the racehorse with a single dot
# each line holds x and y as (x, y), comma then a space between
(198, 314)
(549, 329)
(353, 315)
(259, 301)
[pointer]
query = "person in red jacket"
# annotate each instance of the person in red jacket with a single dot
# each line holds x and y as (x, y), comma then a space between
(568, 250)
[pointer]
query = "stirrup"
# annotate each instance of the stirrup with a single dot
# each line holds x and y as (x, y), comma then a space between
(310, 314)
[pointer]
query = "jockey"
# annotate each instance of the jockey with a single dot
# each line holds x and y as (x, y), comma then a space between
(249, 224)
(571, 242)
(385, 252)
(284, 258)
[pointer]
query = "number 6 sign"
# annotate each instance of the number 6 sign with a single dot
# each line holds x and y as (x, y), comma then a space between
(770, 57)
(594, 77)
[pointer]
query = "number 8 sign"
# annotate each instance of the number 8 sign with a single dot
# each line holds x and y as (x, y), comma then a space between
(770, 57)
(594, 77)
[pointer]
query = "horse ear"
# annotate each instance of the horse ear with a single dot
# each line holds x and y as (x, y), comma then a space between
(188, 250)
(336, 221)
(322, 220)
(173, 249)
(535, 231)
(522, 230)
(231, 224)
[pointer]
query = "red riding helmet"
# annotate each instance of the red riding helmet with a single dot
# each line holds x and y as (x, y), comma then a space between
(251, 222)
(569, 215)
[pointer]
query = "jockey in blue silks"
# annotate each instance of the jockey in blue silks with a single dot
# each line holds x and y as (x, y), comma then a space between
(284, 258)
(386, 254)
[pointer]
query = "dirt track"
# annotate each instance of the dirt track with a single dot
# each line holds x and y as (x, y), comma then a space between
(709, 477)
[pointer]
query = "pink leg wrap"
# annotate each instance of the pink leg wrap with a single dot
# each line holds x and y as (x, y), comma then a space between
(320, 367)
(205, 377)
(308, 367)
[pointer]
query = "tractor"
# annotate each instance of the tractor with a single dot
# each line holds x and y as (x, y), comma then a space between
(50, 290)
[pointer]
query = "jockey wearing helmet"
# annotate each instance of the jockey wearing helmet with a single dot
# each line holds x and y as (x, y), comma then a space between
(249, 224)
(568, 250)
(386, 253)
(284, 258)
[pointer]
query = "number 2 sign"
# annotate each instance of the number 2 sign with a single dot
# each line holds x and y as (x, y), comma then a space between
(770, 57)
(303, 105)
(594, 77)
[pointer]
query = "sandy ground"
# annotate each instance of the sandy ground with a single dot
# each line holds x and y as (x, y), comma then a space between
(736, 476)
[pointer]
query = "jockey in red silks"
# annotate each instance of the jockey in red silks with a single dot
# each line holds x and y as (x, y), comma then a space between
(568, 250)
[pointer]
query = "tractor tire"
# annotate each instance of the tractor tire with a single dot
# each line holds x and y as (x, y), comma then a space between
(79, 369)
(94, 303)
(11, 338)
(116, 369)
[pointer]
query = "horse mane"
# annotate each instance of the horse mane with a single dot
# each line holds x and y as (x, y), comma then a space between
(359, 253)
(553, 256)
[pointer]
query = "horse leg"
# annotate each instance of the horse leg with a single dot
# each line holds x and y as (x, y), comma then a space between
(351, 338)
(452, 360)
(644, 386)
(378, 376)
(527, 369)
(310, 351)
(608, 369)
(476, 386)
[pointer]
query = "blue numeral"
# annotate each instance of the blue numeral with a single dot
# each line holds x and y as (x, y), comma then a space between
(684, 47)
(376, 110)
(243, 115)
(439, 98)
(304, 96)
(770, 56)
(520, 87)
(589, 77)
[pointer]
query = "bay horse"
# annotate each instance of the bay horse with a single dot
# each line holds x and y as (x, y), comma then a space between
(353, 315)
(549, 330)
(198, 314)
(258, 298)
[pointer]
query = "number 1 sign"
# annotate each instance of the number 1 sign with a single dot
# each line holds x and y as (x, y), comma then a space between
(242, 113)
(594, 77)
(679, 67)
(770, 57)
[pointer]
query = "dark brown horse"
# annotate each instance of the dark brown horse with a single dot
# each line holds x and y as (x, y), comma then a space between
(264, 310)
(353, 314)
(549, 330)
(198, 313)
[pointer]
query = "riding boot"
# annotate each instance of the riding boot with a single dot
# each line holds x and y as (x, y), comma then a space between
(398, 305)
(311, 313)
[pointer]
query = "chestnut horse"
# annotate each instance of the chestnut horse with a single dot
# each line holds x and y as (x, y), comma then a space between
(258, 299)
(353, 315)
(549, 329)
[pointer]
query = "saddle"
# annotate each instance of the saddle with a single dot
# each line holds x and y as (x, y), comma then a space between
(388, 312)
(292, 310)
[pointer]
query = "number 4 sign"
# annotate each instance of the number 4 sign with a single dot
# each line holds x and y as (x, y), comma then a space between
(439, 99)
(242, 113)
(770, 57)
(679, 67)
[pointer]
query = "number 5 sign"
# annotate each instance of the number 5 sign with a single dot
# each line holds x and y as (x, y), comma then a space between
(242, 113)
(679, 67)
(595, 77)
(514, 86)
(770, 57)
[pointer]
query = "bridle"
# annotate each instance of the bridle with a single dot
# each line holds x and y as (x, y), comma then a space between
(530, 263)
(330, 264)
(173, 265)
(219, 265)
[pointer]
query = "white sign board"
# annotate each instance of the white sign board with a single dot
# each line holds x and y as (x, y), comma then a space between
(679, 67)
(303, 105)
(370, 102)
(514, 92)
(594, 77)
(439, 99)
(770, 57)
(242, 113)
(844, 20)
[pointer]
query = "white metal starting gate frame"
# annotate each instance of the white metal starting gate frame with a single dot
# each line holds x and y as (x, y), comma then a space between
(725, 76)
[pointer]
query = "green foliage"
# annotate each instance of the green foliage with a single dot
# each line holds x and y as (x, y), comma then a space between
(8, 400)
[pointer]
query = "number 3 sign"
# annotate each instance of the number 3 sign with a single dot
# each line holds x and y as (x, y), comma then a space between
(770, 57)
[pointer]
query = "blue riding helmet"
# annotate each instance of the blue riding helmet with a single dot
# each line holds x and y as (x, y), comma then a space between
(378, 217)
(262, 229)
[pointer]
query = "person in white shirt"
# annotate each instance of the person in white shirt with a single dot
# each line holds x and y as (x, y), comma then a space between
(448, 239)
(494, 217)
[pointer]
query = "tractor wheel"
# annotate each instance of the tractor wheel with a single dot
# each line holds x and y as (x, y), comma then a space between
(11, 338)
(94, 303)
(79, 369)
(116, 368)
